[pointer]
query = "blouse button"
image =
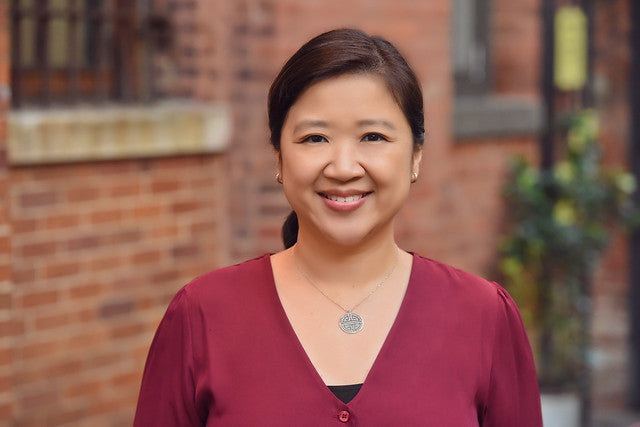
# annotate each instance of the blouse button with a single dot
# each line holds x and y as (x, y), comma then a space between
(343, 416)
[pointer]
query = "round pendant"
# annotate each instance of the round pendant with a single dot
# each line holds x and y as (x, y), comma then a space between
(351, 323)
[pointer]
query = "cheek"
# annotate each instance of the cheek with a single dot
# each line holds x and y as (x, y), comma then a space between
(391, 166)
(298, 168)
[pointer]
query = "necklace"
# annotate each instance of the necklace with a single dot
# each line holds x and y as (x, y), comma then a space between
(350, 322)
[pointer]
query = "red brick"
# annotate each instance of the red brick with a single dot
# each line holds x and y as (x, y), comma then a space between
(87, 315)
(41, 398)
(126, 283)
(66, 366)
(33, 299)
(86, 290)
(205, 183)
(167, 275)
(23, 274)
(82, 243)
(23, 225)
(6, 355)
(61, 221)
(147, 257)
(116, 308)
(66, 416)
(112, 215)
(39, 199)
(104, 360)
(7, 410)
(208, 226)
(168, 231)
(6, 384)
(6, 300)
(127, 331)
(83, 194)
(5, 244)
(187, 250)
(52, 321)
(39, 249)
(5, 271)
(85, 341)
(186, 206)
(11, 327)
(125, 236)
(85, 388)
(40, 349)
(165, 186)
(143, 212)
(128, 189)
(126, 379)
(61, 269)
(110, 262)
(111, 404)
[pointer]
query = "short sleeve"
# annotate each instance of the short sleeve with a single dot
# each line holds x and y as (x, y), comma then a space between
(167, 394)
(513, 397)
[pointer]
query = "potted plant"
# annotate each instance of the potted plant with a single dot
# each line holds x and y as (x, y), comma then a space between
(558, 227)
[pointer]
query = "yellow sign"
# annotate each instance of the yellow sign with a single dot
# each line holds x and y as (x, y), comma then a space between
(570, 71)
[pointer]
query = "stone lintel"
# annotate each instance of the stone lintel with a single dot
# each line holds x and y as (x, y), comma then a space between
(117, 132)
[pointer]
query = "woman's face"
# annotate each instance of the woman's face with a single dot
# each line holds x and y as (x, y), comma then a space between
(346, 159)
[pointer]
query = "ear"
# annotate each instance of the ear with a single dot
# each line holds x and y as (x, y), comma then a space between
(278, 162)
(417, 158)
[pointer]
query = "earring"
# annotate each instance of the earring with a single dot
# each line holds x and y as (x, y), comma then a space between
(278, 178)
(414, 176)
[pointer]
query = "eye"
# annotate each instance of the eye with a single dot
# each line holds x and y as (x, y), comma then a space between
(315, 139)
(374, 137)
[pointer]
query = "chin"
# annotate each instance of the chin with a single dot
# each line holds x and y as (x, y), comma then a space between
(349, 237)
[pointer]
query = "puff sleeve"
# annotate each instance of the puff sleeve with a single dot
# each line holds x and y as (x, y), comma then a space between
(513, 397)
(167, 394)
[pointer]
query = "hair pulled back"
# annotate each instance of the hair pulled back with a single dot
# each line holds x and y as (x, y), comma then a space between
(333, 54)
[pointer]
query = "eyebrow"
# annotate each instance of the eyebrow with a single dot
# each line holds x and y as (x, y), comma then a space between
(310, 124)
(374, 122)
(360, 123)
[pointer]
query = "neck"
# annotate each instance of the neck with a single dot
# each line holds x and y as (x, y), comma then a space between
(346, 266)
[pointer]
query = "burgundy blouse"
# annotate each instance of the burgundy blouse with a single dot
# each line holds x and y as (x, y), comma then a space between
(225, 354)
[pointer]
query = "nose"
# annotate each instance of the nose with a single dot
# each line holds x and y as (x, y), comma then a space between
(344, 162)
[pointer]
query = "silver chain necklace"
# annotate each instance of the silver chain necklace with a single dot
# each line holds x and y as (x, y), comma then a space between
(350, 322)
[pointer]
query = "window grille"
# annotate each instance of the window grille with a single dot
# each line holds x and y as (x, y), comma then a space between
(470, 43)
(74, 51)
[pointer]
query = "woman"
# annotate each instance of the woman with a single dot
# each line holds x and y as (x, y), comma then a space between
(342, 326)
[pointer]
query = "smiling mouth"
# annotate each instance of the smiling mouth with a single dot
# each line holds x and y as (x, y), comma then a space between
(345, 199)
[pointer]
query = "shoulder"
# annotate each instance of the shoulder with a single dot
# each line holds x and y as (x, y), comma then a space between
(231, 279)
(455, 283)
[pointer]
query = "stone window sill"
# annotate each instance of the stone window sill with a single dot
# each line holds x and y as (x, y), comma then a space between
(495, 116)
(116, 132)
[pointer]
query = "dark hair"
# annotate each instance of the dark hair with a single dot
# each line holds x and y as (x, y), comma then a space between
(332, 54)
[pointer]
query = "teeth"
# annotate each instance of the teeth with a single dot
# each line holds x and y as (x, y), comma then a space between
(346, 199)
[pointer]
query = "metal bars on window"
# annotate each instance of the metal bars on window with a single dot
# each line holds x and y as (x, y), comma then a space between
(470, 45)
(75, 51)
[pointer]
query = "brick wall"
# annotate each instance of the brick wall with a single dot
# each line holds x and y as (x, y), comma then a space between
(8, 327)
(98, 251)
(611, 323)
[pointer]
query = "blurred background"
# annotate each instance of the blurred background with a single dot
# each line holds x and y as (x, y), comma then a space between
(135, 156)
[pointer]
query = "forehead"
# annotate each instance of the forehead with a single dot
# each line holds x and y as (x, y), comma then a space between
(350, 96)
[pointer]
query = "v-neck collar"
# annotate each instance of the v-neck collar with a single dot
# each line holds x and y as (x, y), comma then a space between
(379, 359)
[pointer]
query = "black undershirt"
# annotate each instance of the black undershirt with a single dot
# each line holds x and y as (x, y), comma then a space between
(345, 392)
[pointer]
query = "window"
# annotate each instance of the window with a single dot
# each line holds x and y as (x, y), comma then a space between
(70, 51)
(479, 112)
(470, 41)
